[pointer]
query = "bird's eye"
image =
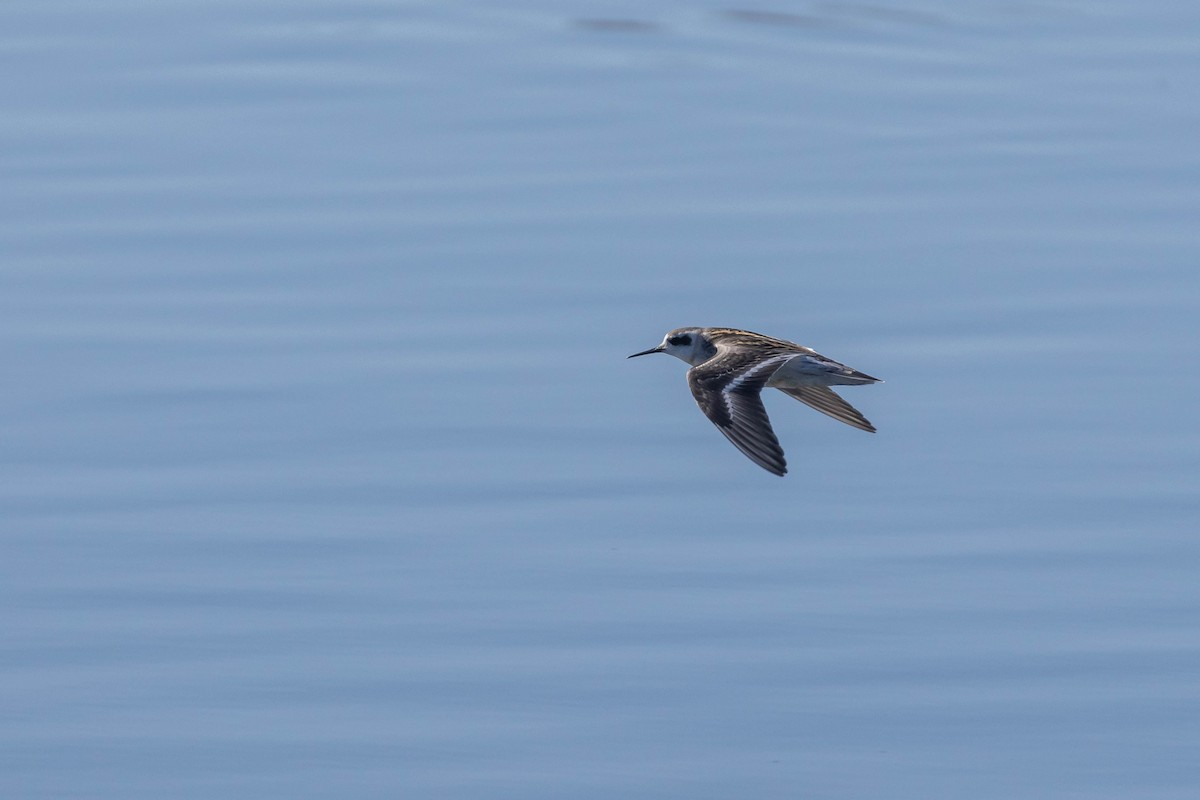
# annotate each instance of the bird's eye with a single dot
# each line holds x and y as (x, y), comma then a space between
(680, 340)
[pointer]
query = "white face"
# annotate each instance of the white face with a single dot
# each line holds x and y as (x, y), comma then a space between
(686, 344)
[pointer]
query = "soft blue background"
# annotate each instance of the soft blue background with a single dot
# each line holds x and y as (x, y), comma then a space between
(323, 474)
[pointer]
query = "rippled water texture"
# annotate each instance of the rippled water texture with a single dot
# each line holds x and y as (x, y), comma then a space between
(323, 473)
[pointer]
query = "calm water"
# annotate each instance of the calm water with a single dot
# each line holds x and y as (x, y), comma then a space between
(323, 474)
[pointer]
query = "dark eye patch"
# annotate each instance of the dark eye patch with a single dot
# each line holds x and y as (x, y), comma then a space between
(680, 340)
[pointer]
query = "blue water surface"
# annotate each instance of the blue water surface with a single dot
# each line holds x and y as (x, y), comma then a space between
(323, 473)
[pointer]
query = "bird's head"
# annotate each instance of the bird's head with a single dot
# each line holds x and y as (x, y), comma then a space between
(692, 345)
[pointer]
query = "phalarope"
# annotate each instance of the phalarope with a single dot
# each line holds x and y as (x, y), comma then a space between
(731, 367)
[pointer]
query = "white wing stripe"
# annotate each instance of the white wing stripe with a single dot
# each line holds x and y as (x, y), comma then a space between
(753, 372)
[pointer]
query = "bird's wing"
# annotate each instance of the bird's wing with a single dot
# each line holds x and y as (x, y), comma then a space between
(728, 389)
(827, 401)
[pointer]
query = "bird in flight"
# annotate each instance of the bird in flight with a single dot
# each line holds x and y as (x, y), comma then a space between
(731, 367)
